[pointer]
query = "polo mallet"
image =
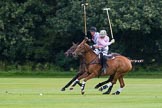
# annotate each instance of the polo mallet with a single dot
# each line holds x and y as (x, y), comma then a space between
(109, 23)
(84, 4)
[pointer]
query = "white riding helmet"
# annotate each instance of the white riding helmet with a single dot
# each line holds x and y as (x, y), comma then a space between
(103, 33)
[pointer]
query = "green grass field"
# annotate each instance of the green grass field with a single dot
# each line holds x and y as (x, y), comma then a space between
(25, 93)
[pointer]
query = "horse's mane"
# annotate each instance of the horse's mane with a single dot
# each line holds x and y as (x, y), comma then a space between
(89, 48)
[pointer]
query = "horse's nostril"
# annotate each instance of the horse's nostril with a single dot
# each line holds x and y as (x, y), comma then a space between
(74, 54)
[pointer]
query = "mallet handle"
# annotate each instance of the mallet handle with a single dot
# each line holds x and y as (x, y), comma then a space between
(110, 24)
(85, 21)
(84, 4)
(107, 9)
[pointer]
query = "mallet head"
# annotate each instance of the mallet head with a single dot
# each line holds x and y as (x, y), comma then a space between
(106, 9)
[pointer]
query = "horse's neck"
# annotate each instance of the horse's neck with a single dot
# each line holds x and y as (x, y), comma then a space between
(82, 59)
(89, 56)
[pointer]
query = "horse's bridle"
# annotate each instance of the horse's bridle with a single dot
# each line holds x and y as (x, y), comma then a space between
(94, 60)
(84, 48)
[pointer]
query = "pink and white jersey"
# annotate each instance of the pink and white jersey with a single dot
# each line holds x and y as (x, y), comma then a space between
(103, 42)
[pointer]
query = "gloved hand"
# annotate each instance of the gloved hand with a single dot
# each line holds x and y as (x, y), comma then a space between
(113, 41)
(96, 46)
(92, 47)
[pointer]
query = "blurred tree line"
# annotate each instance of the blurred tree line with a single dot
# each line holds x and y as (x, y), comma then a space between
(39, 31)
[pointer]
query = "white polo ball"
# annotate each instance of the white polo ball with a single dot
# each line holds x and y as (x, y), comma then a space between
(40, 94)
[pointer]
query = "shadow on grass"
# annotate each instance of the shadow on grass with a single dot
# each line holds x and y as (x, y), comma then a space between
(47, 74)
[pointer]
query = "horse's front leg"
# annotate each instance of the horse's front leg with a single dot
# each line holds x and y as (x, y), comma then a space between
(92, 75)
(77, 81)
(71, 81)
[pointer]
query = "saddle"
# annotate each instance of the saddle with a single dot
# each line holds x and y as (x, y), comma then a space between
(103, 60)
(111, 56)
(108, 57)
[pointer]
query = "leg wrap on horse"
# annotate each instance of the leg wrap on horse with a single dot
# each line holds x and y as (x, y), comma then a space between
(118, 91)
(83, 85)
(109, 90)
(105, 86)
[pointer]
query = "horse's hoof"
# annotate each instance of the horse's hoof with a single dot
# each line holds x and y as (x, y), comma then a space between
(80, 84)
(63, 89)
(113, 94)
(82, 92)
(106, 93)
(71, 88)
(116, 93)
(100, 89)
(97, 86)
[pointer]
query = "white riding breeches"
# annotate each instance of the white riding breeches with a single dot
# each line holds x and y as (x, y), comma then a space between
(102, 50)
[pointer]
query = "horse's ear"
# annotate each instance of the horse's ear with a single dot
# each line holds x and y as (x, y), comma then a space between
(87, 39)
(77, 43)
(73, 43)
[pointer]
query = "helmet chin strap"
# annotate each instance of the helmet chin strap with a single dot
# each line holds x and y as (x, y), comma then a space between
(102, 36)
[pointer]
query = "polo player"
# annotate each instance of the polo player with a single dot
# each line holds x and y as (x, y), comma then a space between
(102, 47)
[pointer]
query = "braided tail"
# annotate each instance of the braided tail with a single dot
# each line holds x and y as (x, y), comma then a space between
(137, 61)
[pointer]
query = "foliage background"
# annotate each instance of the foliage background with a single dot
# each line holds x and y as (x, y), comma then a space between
(35, 33)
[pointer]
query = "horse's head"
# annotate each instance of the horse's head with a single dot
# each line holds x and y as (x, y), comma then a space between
(71, 49)
(81, 48)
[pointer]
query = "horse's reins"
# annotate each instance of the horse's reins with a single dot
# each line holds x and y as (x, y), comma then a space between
(92, 61)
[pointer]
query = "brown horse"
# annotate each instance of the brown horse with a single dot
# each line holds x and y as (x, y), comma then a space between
(82, 68)
(117, 67)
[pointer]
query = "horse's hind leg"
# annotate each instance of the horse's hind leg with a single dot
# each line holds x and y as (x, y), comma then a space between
(101, 84)
(104, 82)
(107, 86)
(110, 84)
(109, 90)
(121, 81)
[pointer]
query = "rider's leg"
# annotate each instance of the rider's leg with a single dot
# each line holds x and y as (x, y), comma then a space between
(104, 58)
